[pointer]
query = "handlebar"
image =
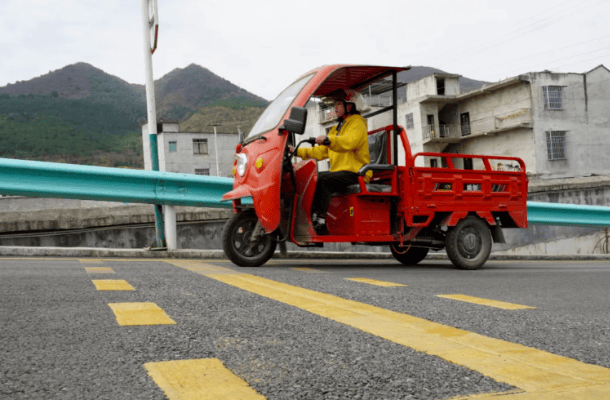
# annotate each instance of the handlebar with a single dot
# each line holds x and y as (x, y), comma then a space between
(311, 141)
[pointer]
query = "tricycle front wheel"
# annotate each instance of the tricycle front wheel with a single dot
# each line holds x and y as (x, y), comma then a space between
(468, 244)
(408, 255)
(237, 244)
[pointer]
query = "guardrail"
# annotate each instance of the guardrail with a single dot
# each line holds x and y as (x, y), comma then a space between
(539, 213)
(44, 179)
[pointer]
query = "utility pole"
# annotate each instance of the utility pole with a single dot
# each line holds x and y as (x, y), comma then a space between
(165, 222)
(216, 147)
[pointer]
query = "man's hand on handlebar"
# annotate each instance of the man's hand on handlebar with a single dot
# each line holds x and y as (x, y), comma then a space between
(323, 140)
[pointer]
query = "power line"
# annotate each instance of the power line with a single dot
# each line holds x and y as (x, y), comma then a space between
(527, 29)
(536, 55)
(546, 64)
(518, 23)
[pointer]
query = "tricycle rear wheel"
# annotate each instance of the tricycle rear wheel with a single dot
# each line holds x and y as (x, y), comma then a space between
(408, 255)
(237, 245)
(468, 244)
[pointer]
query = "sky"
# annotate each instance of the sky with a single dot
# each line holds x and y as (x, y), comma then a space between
(263, 46)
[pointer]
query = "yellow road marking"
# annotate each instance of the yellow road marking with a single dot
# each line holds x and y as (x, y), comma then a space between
(486, 302)
(375, 282)
(99, 270)
(199, 379)
(305, 269)
(112, 284)
(526, 368)
(90, 261)
(140, 314)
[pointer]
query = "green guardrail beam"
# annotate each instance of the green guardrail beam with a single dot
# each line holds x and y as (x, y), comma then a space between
(69, 181)
(44, 179)
(539, 213)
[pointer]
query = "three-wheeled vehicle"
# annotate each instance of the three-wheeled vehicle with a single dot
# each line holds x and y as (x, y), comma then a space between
(412, 209)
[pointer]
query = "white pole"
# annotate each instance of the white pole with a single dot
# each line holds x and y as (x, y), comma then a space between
(169, 214)
(216, 149)
(150, 85)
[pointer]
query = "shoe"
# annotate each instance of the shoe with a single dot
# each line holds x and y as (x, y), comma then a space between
(319, 226)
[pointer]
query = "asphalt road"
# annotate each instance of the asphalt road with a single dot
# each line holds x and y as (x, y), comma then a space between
(300, 329)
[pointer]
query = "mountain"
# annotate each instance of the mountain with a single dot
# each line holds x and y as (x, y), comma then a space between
(184, 91)
(80, 114)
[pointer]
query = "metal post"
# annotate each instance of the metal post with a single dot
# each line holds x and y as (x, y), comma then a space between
(152, 114)
(216, 147)
(216, 150)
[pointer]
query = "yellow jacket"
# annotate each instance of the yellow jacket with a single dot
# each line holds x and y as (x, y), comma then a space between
(348, 149)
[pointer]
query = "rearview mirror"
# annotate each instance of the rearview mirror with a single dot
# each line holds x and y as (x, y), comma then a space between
(296, 121)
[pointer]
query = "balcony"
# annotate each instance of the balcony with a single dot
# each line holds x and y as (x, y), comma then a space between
(444, 133)
(521, 118)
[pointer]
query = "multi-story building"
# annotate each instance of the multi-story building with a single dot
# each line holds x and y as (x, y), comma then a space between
(199, 153)
(558, 123)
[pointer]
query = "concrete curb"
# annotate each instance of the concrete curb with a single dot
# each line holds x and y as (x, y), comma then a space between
(87, 252)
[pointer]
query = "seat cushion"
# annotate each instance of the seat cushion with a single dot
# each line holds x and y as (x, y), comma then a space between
(371, 187)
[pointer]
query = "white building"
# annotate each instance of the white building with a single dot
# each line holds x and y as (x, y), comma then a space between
(199, 153)
(558, 123)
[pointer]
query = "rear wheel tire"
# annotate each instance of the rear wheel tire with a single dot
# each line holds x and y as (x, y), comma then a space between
(408, 255)
(236, 242)
(468, 244)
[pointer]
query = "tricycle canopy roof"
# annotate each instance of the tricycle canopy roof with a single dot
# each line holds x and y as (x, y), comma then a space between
(354, 77)
(319, 83)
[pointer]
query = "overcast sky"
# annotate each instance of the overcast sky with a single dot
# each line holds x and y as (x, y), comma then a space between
(264, 45)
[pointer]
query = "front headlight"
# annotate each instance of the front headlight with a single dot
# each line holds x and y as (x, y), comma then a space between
(242, 162)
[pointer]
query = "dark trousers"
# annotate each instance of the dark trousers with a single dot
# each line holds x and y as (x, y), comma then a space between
(329, 183)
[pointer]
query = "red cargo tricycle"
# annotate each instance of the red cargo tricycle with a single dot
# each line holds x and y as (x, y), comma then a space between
(411, 209)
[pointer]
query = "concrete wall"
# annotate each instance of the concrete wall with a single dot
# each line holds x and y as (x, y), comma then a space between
(184, 160)
(584, 116)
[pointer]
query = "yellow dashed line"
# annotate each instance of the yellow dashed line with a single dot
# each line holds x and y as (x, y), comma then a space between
(140, 314)
(305, 269)
(112, 284)
(375, 282)
(90, 261)
(199, 379)
(99, 270)
(529, 369)
(486, 302)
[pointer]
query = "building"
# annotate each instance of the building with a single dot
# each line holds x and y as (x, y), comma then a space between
(558, 123)
(199, 153)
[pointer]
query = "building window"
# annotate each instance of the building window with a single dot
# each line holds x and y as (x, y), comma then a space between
(433, 163)
(172, 146)
(553, 97)
(200, 146)
(465, 123)
(468, 163)
(202, 171)
(409, 122)
(556, 145)
(440, 87)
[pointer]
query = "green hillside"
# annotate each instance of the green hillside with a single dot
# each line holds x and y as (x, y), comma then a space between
(231, 119)
(82, 115)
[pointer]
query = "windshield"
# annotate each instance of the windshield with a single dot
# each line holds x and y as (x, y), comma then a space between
(276, 110)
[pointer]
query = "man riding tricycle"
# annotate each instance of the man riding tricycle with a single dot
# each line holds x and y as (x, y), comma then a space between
(373, 194)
